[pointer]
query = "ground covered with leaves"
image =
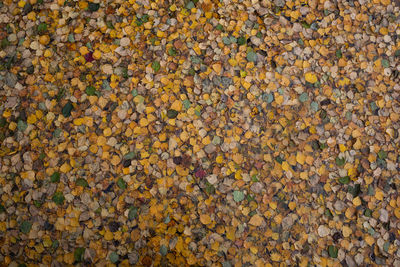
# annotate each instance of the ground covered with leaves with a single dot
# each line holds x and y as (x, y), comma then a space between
(201, 133)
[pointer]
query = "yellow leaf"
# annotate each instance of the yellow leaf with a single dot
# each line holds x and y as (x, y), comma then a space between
(69, 258)
(215, 246)
(205, 219)
(370, 240)
(108, 236)
(31, 119)
(342, 148)
(356, 201)
(65, 168)
(177, 105)
(115, 160)
(346, 231)
(230, 233)
(357, 144)
(179, 244)
(397, 213)
(311, 77)
(285, 166)
(143, 122)
(217, 68)
(107, 131)
(256, 220)
(238, 158)
(300, 158)
(275, 257)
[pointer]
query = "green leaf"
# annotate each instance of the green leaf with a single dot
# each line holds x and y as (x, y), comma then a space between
(55, 177)
(163, 250)
(130, 155)
(172, 52)
(355, 191)
(2, 209)
(344, 180)
(3, 122)
(37, 203)
(340, 161)
(81, 182)
(132, 213)
(93, 7)
(66, 110)
(155, 66)
(251, 56)
(241, 40)
(368, 212)
(109, 25)
(254, 178)
(90, 90)
(382, 154)
(121, 183)
(55, 244)
(333, 251)
(210, 189)
(339, 53)
(219, 27)
(78, 254)
(145, 18)
(252, 213)
(22, 125)
(238, 196)
(60, 94)
(171, 113)
(305, 24)
(250, 198)
(186, 103)
(114, 257)
(58, 198)
(42, 28)
(328, 213)
(279, 159)
(25, 227)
